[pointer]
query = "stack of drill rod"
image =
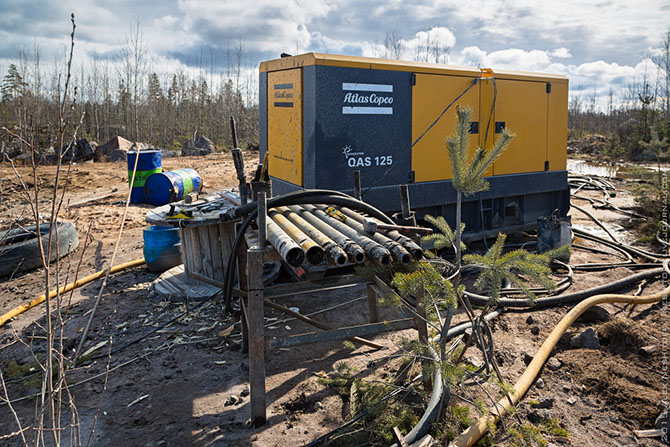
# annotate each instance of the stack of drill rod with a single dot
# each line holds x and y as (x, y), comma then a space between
(307, 233)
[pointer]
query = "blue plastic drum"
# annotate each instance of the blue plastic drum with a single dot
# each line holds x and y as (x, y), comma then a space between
(149, 163)
(161, 248)
(171, 186)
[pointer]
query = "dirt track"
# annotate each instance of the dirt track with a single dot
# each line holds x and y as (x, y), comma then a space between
(193, 374)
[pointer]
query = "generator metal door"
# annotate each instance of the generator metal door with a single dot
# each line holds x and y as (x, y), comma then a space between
(557, 126)
(285, 125)
(521, 106)
(431, 94)
(356, 119)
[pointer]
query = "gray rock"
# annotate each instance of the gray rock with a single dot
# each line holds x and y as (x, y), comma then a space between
(114, 150)
(554, 364)
(535, 330)
(474, 361)
(566, 388)
(594, 314)
(232, 400)
(200, 145)
(538, 415)
(648, 350)
(572, 400)
(527, 358)
(539, 383)
(588, 339)
(530, 320)
(565, 339)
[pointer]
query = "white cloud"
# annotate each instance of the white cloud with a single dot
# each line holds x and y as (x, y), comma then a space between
(265, 25)
(598, 45)
(512, 59)
(561, 53)
(432, 45)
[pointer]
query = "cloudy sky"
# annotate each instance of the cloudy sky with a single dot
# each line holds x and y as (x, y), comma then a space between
(598, 44)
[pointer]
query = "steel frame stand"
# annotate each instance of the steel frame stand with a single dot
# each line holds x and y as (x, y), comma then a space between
(254, 297)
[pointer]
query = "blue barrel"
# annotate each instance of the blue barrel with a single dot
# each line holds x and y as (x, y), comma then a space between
(148, 163)
(171, 186)
(162, 247)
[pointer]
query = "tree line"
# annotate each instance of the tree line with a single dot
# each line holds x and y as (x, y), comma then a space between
(633, 119)
(132, 99)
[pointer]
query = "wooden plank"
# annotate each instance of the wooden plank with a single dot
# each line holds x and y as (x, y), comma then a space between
(245, 325)
(336, 334)
(227, 236)
(92, 200)
(196, 256)
(373, 315)
(399, 437)
(174, 284)
(206, 280)
(186, 255)
(256, 336)
(652, 433)
(205, 251)
(217, 257)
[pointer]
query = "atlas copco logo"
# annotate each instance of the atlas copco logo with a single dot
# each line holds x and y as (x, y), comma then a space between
(367, 99)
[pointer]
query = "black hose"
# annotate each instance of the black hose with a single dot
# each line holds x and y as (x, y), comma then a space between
(654, 257)
(480, 300)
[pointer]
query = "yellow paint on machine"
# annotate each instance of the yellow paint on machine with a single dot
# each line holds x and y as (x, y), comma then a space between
(430, 95)
(285, 139)
(532, 105)
(522, 107)
(557, 126)
(535, 110)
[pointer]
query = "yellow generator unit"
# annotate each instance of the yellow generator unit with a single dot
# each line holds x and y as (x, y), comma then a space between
(324, 116)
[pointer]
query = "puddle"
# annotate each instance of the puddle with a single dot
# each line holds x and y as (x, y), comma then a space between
(654, 167)
(619, 232)
(589, 168)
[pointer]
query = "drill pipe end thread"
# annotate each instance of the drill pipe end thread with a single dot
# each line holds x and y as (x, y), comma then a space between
(315, 255)
(336, 255)
(295, 256)
(400, 254)
(356, 253)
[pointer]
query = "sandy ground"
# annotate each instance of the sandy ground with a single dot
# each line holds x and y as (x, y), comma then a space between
(191, 386)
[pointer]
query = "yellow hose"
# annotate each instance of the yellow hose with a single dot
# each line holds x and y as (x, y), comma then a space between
(66, 288)
(479, 428)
